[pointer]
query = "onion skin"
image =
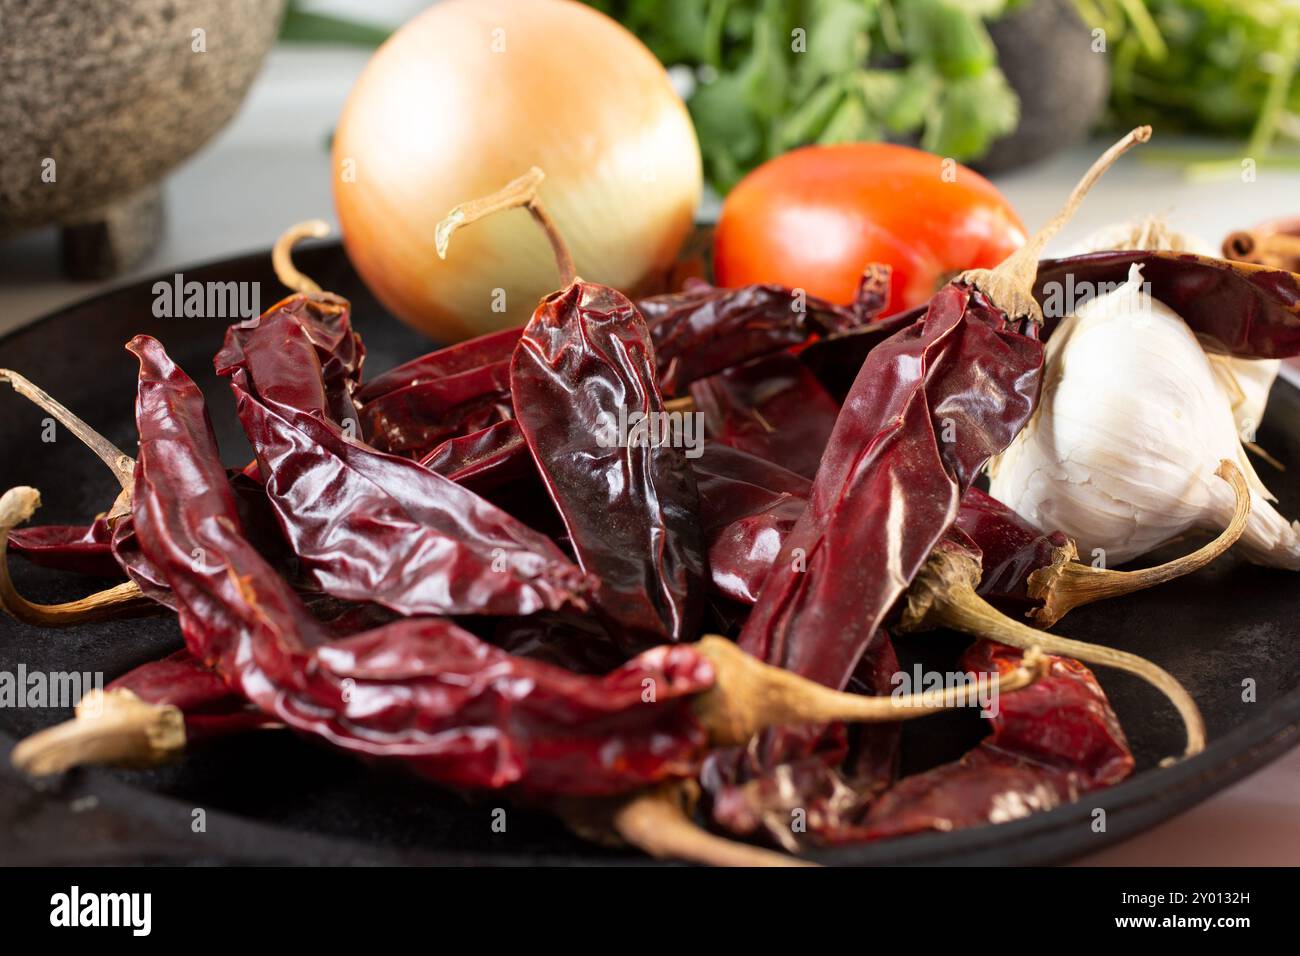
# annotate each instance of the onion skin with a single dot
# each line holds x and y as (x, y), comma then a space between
(443, 114)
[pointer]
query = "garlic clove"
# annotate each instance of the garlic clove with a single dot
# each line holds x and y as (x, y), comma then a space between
(1132, 423)
(1246, 382)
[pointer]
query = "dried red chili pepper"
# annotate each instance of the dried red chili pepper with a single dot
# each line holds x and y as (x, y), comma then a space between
(19, 504)
(748, 505)
(485, 459)
(703, 330)
(417, 418)
(370, 526)
(823, 788)
(944, 596)
(1246, 310)
(751, 505)
(422, 692)
(256, 517)
(1049, 745)
(927, 410)
(837, 360)
(584, 367)
(629, 506)
(890, 483)
(475, 353)
(1010, 547)
(81, 549)
(425, 693)
(773, 407)
(698, 331)
(210, 708)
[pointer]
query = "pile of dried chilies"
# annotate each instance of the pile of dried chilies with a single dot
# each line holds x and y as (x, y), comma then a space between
(452, 567)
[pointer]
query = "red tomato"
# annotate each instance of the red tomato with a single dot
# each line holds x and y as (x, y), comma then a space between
(814, 218)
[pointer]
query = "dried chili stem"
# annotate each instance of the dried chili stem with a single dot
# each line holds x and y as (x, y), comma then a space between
(749, 696)
(121, 464)
(659, 822)
(943, 595)
(124, 600)
(1066, 584)
(282, 258)
(1010, 285)
(1263, 453)
(685, 404)
(113, 728)
(521, 192)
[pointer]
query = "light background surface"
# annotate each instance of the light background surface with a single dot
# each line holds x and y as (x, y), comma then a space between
(270, 167)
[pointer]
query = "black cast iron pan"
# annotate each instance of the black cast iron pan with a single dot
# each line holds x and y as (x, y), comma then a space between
(273, 798)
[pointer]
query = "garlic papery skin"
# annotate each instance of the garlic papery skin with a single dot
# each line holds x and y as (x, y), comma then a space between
(1246, 382)
(1151, 233)
(1131, 425)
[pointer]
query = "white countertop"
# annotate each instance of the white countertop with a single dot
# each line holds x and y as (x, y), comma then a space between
(270, 167)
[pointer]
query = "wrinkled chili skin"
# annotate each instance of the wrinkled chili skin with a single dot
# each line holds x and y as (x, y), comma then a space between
(831, 783)
(81, 549)
(419, 692)
(888, 486)
(444, 362)
(724, 325)
(698, 332)
(1050, 743)
(326, 320)
(207, 704)
(773, 407)
(928, 408)
(256, 517)
(704, 329)
(414, 419)
(748, 506)
(1011, 549)
(837, 360)
(1239, 308)
(585, 363)
(485, 459)
(370, 526)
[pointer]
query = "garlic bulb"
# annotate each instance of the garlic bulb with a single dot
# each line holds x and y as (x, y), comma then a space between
(1132, 423)
(1246, 382)
(1151, 233)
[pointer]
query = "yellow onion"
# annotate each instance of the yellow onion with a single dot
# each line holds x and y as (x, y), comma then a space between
(469, 95)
